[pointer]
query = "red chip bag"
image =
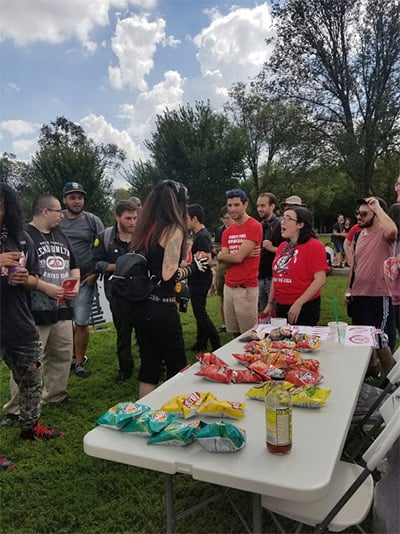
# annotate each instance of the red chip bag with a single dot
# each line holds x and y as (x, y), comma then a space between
(216, 373)
(301, 376)
(247, 357)
(245, 376)
(209, 358)
(263, 369)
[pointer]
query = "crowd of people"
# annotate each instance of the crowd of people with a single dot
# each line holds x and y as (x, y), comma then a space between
(274, 265)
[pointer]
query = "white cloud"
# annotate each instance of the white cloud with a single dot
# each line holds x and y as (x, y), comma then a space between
(97, 128)
(232, 48)
(25, 147)
(135, 42)
(142, 115)
(11, 86)
(18, 128)
(56, 21)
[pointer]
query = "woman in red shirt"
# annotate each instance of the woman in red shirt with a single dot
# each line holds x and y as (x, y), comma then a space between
(299, 270)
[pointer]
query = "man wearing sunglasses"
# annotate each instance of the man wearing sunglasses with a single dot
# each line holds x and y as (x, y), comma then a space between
(370, 289)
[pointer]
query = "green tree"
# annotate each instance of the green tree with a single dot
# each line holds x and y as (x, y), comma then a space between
(200, 148)
(142, 177)
(66, 154)
(18, 174)
(341, 60)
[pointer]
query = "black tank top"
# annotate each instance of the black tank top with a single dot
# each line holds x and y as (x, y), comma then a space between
(155, 258)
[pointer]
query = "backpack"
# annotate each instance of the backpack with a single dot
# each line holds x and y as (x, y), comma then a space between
(132, 279)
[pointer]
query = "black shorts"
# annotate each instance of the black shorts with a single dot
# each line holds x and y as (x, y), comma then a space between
(373, 311)
(309, 315)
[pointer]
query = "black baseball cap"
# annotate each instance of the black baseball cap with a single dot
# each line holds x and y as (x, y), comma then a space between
(382, 202)
(73, 187)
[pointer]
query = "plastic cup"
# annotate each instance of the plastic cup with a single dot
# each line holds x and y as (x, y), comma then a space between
(337, 331)
(11, 271)
(277, 322)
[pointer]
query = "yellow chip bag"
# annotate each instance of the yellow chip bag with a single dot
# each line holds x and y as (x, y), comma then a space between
(187, 404)
(309, 396)
(258, 391)
(218, 408)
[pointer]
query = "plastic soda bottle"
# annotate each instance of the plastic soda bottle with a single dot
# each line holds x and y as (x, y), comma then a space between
(278, 417)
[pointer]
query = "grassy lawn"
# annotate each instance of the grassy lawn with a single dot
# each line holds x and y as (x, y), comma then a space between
(57, 488)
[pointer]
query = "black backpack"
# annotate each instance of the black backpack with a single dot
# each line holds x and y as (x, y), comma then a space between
(132, 279)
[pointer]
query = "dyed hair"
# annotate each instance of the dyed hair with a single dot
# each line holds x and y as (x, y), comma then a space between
(165, 209)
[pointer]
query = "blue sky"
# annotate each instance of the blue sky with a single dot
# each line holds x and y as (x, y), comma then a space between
(113, 65)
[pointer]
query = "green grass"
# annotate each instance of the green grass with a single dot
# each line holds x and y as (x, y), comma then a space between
(56, 487)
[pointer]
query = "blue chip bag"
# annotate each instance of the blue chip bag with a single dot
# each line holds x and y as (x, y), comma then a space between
(149, 423)
(120, 414)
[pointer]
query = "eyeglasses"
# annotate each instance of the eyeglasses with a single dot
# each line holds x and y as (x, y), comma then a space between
(53, 209)
(359, 213)
(287, 218)
(397, 183)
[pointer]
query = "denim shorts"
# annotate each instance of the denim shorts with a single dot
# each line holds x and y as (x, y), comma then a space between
(83, 304)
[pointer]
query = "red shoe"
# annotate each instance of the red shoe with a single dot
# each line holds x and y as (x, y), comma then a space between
(41, 432)
(6, 464)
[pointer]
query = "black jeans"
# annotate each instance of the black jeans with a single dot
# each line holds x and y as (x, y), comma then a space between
(205, 327)
(122, 318)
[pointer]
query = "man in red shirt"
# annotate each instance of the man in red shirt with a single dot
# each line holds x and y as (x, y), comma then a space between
(240, 255)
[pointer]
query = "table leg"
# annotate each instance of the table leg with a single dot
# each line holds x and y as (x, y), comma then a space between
(169, 503)
(257, 513)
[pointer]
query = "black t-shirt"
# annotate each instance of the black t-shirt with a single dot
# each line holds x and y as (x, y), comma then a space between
(16, 322)
(271, 231)
(56, 260)
(201, 242)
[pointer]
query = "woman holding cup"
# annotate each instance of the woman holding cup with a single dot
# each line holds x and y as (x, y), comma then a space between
(299, 270)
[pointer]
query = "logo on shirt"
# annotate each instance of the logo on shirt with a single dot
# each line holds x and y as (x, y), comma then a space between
(283, 262)
(55, 263)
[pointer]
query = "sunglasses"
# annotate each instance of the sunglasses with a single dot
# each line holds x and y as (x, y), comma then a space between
(359, 213)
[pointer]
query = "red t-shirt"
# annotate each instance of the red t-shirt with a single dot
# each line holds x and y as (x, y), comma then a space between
(353, 230)
(245, 273)
(293, 274)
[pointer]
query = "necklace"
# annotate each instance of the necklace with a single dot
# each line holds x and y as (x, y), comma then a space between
(46, 240)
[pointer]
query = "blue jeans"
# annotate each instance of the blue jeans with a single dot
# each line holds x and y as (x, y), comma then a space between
(83, 304)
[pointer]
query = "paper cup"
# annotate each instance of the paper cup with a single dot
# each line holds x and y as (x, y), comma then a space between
(337, 331)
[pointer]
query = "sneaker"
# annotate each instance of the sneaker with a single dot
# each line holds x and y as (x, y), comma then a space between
(10, 419)
(123, 377)
(6, 464)
(80, 371)
(73, 362)
(39, 432)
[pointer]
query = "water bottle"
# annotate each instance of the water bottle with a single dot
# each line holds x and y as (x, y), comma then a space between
(278, 417)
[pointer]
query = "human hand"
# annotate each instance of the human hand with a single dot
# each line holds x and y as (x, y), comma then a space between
(200, 261)
(19, 277)
(294, 312)
(267, 244)
(9, 259)
(255, 252)
(89, 280)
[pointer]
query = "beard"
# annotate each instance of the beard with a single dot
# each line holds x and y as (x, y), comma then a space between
(367, 224)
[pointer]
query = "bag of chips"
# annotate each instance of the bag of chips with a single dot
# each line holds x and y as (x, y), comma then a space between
(221, 437)
(120, 414)
(187, 404)
(176, 434)
(217, 408)
(149, 423)
(216, 373)
(309, 396)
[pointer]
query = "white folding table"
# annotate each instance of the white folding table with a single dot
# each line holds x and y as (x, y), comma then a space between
(302, 475)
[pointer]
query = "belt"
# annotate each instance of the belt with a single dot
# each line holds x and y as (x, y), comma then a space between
(166, 300)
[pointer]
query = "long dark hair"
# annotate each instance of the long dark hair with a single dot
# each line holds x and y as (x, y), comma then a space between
(13, 213)
(303, 215)
(164, 210)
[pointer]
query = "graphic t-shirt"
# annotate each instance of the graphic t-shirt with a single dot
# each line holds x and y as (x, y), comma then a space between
(245, 273)
(56, 261)
(293, 272)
